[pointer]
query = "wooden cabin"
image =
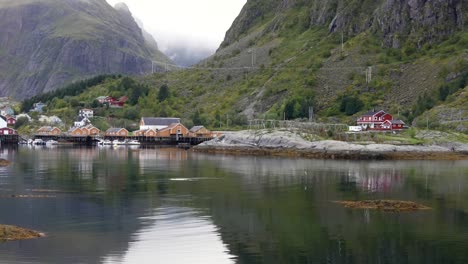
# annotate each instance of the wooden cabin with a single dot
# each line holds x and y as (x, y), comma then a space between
(91, 130)
(199, 131)
(117, 132)
(49, 131)
(174, 130)
(77, 132)
(146, 133)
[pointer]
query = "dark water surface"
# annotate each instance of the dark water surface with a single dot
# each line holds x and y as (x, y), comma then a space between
(172, 206)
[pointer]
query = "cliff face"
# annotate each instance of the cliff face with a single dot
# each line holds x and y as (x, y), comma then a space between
(429, 19)
(47, 43)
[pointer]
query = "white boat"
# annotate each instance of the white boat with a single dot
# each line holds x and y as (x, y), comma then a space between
(104, 142)
(38, 141)
(132, 142)
(126, 143)
(51, 142)
(117, 142)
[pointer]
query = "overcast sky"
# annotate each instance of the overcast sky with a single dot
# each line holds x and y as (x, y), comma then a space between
(193, 27)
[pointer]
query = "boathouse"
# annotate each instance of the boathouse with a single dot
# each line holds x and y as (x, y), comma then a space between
(199, 131)
(49, 131)
(157, 123)
(120, 132)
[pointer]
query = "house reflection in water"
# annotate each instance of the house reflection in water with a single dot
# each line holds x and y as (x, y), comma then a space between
(381, 180)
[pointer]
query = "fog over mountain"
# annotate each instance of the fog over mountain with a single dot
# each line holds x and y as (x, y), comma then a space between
(187, 31)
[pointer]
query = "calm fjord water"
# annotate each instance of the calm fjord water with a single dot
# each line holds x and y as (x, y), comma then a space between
(171, 206)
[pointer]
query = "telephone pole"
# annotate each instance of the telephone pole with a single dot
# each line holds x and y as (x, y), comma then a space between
(368, 73)
(342, 43)
(253, 55)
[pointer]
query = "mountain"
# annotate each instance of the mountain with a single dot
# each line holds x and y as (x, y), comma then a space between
(339, 58)
(45, 44)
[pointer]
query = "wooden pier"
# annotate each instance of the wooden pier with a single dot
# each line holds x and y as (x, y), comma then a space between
(9, 139)
(93, 140)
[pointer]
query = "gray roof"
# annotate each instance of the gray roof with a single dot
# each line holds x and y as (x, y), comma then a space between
(372, 113)
(114, 130)
(160, 121)
(196, 128)
(397, 122)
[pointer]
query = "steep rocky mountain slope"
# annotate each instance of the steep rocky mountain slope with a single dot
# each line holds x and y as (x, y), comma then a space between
(45, 44)
(281, 57)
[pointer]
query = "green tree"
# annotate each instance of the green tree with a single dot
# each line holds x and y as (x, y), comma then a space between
(131, 113)
(95, 104)
(351, 105)
(21, 122)
(163, 93)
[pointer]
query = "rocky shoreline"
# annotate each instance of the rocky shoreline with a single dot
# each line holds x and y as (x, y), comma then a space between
(289, 144)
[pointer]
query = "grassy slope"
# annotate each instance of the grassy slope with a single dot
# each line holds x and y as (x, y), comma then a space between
(296, 62)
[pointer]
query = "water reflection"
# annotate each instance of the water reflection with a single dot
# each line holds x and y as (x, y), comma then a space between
(175, 235)
(134, 205)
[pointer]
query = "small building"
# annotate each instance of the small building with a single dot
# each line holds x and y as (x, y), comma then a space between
(77, 132)
(49, 131)
(118, 103)
(393, 125)
(38, 107)
(199, 131)
(11, 121)
(103, 99)
(157, 123)
(146, 133)
(88, 113)
(81, 121)
(91, 130)
(120, 132)
(8, 131)
(175, 130)
(7, 111)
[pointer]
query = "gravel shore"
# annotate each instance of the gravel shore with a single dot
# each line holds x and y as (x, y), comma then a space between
(286, 143)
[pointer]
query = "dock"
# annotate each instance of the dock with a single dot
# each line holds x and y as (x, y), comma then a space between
(9, 139)
(93, 140)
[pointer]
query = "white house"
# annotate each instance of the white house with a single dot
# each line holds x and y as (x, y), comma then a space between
(3, 122)
(157, 123)
(86, 113)
(81, 121)
(53, 120)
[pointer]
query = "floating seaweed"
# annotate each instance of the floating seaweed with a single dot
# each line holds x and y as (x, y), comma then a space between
(4, 163)
(11, 233)
(384, 205)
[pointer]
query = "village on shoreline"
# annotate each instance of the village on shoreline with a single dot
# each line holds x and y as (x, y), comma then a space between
(376, 135)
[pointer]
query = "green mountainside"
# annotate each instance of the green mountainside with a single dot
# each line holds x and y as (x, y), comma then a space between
(45, 44)
(281, 57)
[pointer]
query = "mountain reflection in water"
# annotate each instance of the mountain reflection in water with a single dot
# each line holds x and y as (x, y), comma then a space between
(173, 206)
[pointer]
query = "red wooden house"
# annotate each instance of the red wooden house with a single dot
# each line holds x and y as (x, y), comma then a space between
(118, 103)
(11, 121)
(379, 120)
(7, 131)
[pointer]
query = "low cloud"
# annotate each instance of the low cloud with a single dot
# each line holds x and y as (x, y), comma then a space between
(186, 30)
